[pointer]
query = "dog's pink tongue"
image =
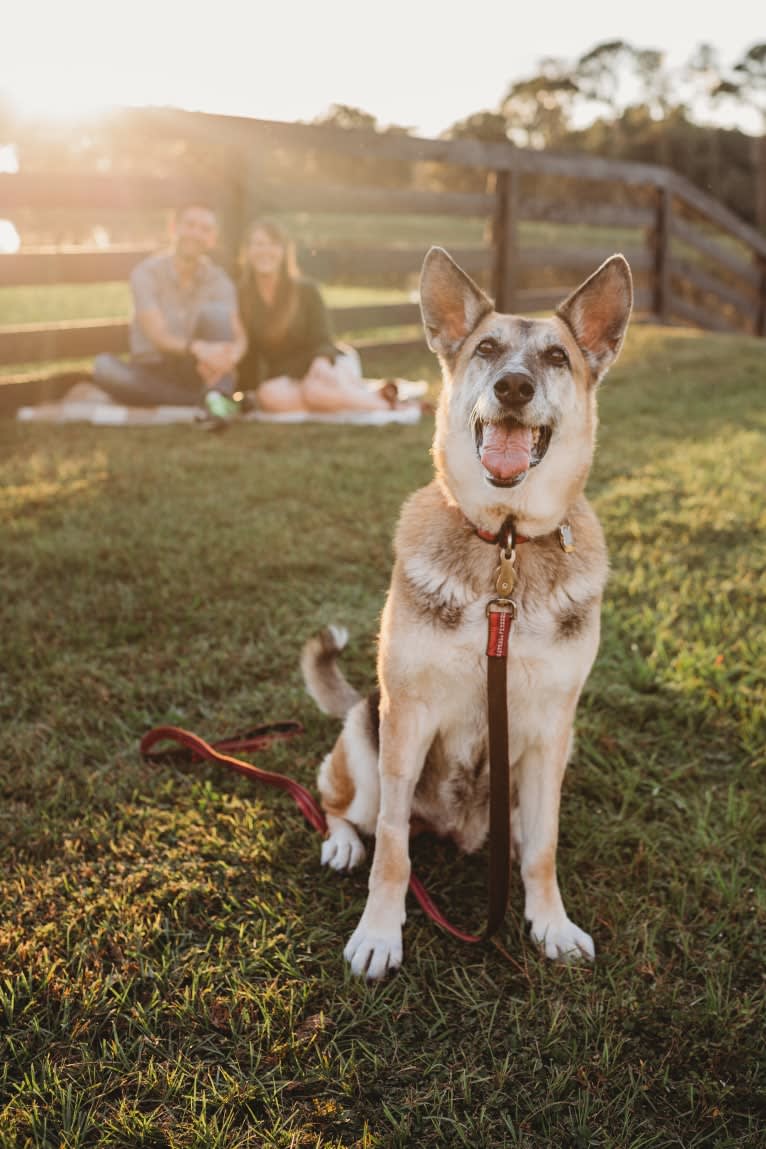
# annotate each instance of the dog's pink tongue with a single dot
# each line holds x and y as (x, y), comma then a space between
(505, 451)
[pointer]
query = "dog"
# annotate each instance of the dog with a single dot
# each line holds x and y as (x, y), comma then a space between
(513, 445)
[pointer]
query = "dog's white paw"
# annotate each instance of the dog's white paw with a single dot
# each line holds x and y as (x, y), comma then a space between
(373, 954)
(562, 940)
(343, 849)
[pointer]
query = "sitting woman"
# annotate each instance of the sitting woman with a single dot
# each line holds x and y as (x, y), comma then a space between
(291, 358)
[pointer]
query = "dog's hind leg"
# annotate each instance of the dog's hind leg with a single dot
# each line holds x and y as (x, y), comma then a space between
(350, 790)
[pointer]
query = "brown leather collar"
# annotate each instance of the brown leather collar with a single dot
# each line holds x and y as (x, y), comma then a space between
(508, 538)
(502, 534)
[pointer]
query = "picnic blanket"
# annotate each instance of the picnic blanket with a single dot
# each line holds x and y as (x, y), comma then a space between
(86, 403)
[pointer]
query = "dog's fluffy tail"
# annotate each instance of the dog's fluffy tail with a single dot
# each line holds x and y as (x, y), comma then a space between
(331, 691)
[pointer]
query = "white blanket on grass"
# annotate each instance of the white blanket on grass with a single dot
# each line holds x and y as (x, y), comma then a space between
(113, 415)
(102, 411)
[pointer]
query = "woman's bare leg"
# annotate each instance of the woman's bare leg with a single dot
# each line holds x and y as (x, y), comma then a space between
(331, 387)
(280, 395)
(325, 389)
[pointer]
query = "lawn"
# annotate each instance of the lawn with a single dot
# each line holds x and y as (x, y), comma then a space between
(78, 301)
(170, 951)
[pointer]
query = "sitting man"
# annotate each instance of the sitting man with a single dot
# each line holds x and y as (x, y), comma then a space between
(186, 337)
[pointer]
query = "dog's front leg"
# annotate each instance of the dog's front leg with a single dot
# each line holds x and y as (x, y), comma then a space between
(375, 947)
(540, 776)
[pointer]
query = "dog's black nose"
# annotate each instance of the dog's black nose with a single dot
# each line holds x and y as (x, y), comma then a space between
(515, 390)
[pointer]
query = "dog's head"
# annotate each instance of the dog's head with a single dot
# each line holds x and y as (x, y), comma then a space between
(517, 416)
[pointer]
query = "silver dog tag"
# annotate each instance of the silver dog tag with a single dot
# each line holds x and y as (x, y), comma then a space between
(566, 539)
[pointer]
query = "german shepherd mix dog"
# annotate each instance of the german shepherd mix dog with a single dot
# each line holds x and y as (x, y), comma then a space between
(514, 441)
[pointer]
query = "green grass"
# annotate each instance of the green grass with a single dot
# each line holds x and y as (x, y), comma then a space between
(55, 304)
(170, 951)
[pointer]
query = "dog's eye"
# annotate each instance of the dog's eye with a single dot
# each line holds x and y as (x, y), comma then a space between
(557, 356)
(486, 348)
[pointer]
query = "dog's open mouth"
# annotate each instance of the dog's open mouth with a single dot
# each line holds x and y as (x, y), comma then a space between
(507, 450)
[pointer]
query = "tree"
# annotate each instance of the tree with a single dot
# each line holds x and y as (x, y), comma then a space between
(479, 126)
(537, 110)
(701, 75)
(599, 74)
(360, 169)
(747, 86)
(485, 125)
(615, 74)
(748, 81)
(654, 82)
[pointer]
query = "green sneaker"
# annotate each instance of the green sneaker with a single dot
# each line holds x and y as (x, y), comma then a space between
(221, 407)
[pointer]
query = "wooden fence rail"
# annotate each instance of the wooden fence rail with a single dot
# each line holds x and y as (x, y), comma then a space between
(694, 261)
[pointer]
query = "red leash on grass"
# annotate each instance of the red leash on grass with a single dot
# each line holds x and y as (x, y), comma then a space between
(259, 739)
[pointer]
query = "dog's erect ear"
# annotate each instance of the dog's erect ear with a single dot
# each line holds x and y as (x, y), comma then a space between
(597, 313)
(451, 303)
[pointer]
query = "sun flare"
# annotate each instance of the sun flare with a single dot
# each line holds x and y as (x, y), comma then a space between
(46, 100)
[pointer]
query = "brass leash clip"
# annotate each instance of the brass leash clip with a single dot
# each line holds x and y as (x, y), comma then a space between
(506, 575)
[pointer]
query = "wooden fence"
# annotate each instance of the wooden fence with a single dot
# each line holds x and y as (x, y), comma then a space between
(693, 260)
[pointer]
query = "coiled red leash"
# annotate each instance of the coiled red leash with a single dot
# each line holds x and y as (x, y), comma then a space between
(259, 739)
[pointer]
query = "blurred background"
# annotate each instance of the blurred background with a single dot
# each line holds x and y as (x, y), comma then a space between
(531, 145)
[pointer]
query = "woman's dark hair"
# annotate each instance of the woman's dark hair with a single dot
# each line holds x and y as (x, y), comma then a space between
(281, 311)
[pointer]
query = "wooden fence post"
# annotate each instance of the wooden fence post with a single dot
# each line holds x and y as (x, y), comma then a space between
(505, 240)
(661, 287)
(759, 149)
(760, 321)
(236, 209)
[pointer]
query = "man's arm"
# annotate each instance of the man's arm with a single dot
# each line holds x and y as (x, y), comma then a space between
(152, 323)
(214, 360)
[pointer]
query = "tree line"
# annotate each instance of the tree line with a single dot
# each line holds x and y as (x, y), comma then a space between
(625, 103)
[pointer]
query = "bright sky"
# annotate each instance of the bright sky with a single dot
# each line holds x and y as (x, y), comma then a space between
(415, 62)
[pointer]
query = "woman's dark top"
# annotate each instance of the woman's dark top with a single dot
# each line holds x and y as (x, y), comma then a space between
(292, 350)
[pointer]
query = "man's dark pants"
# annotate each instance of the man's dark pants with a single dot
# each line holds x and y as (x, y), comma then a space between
(173, 381)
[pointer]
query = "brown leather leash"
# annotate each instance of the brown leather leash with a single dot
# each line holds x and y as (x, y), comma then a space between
(501, 613)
